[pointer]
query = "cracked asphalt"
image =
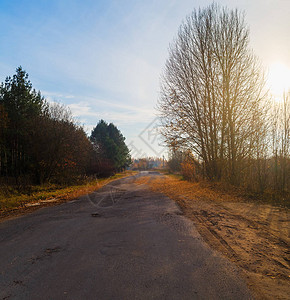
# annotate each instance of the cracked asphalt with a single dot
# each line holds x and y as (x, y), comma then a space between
(120, 242)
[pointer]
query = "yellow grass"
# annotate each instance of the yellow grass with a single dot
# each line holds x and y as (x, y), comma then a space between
(174, 187)
(53, 193)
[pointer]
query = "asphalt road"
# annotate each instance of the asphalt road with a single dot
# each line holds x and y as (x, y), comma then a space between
(121, 242)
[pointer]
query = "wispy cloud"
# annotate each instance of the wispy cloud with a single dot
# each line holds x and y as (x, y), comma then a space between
(121, 114)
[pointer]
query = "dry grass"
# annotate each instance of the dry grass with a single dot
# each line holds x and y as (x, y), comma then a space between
(41, 195)
(174, 186)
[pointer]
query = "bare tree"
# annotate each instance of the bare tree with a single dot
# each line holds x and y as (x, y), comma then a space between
(211, 91)
(59, 146)
(280, 133)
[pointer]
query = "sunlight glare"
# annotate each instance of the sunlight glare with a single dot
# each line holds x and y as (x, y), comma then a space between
(278, 79)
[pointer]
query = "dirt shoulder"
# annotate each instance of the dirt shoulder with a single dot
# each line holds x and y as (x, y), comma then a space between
(254, 236)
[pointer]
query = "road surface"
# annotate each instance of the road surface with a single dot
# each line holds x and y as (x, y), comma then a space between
(121, 242)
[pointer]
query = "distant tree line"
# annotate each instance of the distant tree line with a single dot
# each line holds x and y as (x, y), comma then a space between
(41, 142)
(148, 163)
(214, 111)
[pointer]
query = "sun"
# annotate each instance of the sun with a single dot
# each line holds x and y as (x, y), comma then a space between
(278, 79)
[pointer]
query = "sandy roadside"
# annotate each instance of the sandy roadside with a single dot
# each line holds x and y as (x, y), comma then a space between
(254, 236)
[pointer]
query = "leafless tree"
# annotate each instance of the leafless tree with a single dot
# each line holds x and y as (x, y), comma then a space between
(212, 92)
(280, 131)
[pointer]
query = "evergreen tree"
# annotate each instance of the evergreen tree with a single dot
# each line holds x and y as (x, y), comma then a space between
(109, 144)
(21, 104)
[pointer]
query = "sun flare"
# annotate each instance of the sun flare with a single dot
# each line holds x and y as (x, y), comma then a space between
(278, 79)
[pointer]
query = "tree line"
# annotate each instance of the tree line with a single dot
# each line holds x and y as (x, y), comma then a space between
(41, 142)
(216, 114)
(148, 163)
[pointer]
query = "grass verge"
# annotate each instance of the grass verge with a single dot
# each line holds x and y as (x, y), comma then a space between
(38, 196)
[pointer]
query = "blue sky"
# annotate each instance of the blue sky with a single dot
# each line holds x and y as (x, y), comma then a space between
(104, 58)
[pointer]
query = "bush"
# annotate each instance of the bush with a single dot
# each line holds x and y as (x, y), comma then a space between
(190, 168)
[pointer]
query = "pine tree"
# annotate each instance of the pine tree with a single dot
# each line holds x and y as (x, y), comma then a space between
(110, 147)
(21, 104)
